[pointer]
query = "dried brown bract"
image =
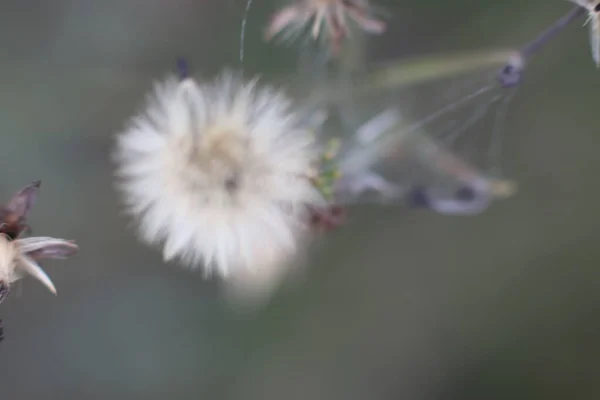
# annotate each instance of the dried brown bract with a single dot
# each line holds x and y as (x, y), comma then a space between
(327, 219)
(13, 215)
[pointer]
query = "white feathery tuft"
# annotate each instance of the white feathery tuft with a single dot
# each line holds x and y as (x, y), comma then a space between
(216, 173)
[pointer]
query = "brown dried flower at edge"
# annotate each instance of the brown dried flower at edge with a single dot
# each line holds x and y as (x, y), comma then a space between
(19, 256)
(333, 15)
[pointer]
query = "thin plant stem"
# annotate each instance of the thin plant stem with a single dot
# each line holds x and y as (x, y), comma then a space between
(243, 30)
(510, 74)
(535, 45)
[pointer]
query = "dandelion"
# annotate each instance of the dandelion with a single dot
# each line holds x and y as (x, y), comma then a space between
(19, 258)
(330, 15)
(593, 9)
(216, 173)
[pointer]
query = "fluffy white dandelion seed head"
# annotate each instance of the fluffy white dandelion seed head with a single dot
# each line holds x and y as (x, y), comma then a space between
(216, 174)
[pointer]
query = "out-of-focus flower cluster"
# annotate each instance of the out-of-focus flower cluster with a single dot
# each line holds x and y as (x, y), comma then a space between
(328, 20)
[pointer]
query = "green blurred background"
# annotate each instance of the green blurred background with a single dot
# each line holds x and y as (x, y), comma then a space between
(401, 304)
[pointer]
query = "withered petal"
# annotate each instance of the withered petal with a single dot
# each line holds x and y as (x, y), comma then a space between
(47, 247)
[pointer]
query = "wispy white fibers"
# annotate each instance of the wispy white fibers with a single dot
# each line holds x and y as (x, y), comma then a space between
(329, 19)
(217, 174)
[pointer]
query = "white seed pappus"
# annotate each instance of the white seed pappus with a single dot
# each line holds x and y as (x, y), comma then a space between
(216, 174)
